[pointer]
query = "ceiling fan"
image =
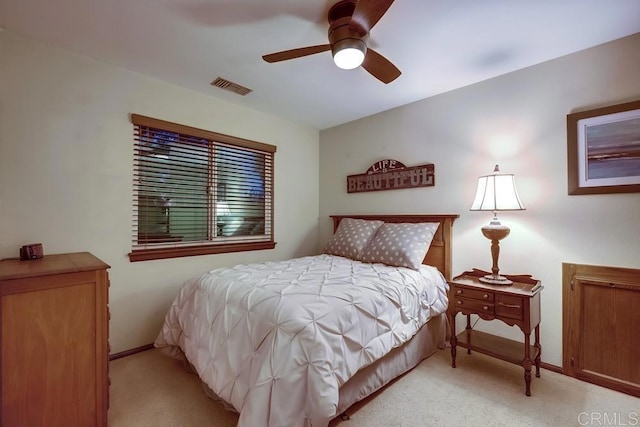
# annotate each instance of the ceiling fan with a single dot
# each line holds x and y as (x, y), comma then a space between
(350, 22)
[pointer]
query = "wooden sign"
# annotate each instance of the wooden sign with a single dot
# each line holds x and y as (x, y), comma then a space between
(391, 175)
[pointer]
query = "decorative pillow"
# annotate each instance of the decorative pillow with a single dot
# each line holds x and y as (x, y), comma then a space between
(351, 237)
(401, 244)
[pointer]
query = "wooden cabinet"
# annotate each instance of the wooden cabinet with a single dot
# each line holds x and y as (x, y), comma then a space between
(517, 304)
(601, 316)
(54, 340)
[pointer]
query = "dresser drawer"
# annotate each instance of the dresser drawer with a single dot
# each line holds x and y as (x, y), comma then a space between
(473, 305)
(472, 293)
(510, 306)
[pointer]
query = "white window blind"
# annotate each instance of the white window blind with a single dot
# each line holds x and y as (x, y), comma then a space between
(197, 192)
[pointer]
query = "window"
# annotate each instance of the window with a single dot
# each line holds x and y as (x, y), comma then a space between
(198, 192)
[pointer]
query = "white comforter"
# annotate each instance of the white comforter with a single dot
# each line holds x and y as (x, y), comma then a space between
(276, 340)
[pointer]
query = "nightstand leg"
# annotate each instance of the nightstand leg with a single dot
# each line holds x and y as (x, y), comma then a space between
(539, 347)
(468, 328)
(526, 363)
(453, 340)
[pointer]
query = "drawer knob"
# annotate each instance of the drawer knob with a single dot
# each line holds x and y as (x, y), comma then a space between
(485, 308)
(459, 302)
(485, 296)
(459, 291)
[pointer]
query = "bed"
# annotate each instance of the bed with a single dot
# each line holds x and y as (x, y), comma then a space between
(297, 342)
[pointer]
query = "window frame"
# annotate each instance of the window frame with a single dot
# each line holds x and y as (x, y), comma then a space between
(203, 247)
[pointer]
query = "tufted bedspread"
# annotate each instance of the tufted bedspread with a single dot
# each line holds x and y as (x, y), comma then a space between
(277, 340)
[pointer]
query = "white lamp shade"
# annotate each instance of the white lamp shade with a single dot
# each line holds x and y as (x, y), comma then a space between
(497, 192)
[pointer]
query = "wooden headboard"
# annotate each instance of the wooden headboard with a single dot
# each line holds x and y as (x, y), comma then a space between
(439, 254)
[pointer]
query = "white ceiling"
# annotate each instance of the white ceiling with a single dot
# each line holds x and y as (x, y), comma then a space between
(438, 45)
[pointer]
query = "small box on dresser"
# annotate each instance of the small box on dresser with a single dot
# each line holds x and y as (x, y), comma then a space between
(54, 341)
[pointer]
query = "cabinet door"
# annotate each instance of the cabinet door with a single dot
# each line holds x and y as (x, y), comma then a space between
(601, 317)
(49, 352)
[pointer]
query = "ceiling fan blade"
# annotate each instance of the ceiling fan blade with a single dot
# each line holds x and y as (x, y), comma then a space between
(380, 67)
(367, 14)
(296, 53)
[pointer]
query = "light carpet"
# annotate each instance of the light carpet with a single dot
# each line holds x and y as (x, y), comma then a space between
(149, 389)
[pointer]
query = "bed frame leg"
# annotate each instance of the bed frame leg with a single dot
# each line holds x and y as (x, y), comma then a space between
(344, 416)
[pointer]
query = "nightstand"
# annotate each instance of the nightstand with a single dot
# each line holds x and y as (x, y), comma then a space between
(517, 304)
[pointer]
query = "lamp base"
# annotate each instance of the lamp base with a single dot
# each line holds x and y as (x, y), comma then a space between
(495, 232)
(495, 280)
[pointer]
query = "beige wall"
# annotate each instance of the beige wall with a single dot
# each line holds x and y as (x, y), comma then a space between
(66, 172)
(518, 121)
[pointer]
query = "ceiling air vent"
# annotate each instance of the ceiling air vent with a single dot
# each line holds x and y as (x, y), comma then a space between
(230, 86)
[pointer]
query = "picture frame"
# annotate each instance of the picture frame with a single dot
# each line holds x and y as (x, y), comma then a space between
(603, 150)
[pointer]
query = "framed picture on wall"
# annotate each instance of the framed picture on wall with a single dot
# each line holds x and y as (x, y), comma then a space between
(603, 150)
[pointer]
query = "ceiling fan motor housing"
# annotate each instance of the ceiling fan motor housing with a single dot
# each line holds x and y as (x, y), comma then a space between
(341, 36)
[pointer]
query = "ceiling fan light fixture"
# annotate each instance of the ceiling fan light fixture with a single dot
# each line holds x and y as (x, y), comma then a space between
(349, 53)
(350, 23)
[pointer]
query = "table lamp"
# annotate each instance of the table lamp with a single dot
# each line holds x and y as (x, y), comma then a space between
(496, 192)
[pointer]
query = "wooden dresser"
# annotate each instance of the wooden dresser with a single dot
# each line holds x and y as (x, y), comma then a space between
(54, 340)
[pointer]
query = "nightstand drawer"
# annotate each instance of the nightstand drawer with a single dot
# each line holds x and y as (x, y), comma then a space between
(509, 306)
(472, 293)
(473, 305)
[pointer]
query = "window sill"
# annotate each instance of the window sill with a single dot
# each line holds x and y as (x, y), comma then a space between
(163, 253)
